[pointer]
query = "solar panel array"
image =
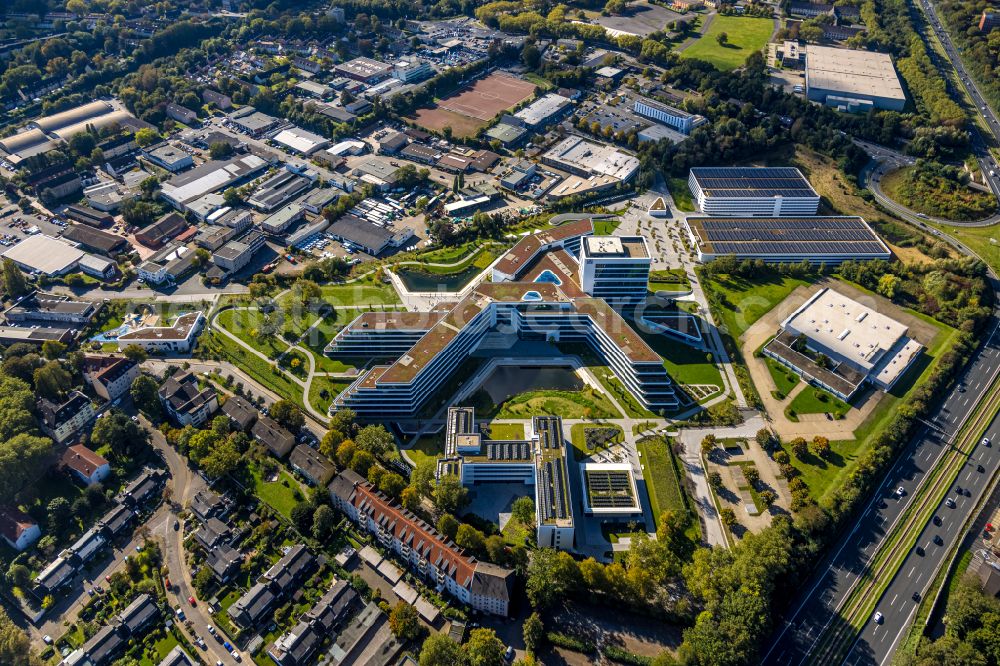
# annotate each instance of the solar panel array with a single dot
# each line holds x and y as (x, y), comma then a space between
(552, 484)
(752, 182)
(508, 451)
(609, 489)
(781, 236)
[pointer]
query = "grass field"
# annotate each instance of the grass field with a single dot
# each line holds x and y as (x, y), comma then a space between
(506, 431)
(682, 194)
(746, 36)
(332, 386)
(365, 292)
(685, 364)
(427, 449)
(984, 241)
(606, 227)
(578, 437)
(661, 476)
(812, 400)
(216, 345)
(745, 301)
(675, 279)
(245, 325)
(783, 377)
(584, 404)
(280, 494)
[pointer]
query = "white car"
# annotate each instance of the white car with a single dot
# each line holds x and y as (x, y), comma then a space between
(900, 491)
(878, 617)
(986, 441)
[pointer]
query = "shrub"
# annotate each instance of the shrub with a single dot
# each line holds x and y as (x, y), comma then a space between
(623, 656)
(570, 642)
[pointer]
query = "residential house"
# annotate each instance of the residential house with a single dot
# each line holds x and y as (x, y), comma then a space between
(110, 377)
(17, 528)
(142, 489)
(224, 561)
(276, 439)
(181, 114)
(64, 420)
(185, 402)
(313, 465)
(206, 505)
(240, 412)
(85, 464)
(212, 534)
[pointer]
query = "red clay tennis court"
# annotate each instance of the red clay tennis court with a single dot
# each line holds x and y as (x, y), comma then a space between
(474, 106)
(489, 96)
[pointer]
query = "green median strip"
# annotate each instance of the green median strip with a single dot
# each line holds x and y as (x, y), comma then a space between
(868, 589)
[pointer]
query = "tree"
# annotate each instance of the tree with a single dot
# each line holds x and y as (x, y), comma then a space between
(362, 462)
(144, 395)
(887, 285)
(722, 38)
(715, 481)
(58, 512)
(821, 446)
(484, 648)
(448, 525)
(799, 447)
(223, 459)
(392, 484)
(469, 537)
(330, 442)
(53, 349)
(450, 495)
(551, 575)
(440, 650)
(375, 439)
(533, 632)
(324, 520)
(18, 575)
(231, 197)
(288, 414)
(220, 150)
(345, 453)
(708, 444)
(15, 647)
(13, 279)
(135, 353)
(23, 457)
(768, 497)
(147, 136)
(763, 438)
(138, 213)
(728, 517)
(52, 381)
(202, 581)
(404, 622)
(120, 434)
(614, 7)
(302, 517)
(523, 510)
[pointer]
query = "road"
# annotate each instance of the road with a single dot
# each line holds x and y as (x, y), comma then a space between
(804, 625)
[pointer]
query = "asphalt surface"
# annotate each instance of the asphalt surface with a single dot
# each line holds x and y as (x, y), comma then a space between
(803, 627)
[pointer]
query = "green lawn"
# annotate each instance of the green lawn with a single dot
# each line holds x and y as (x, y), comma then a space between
(746, 36)
(365, 292)
(745, 301)
(245, 325)
(333, 388)
(812, 400)
(682, 194)
(427, 449)
(578, 437)
(506, 431)
(684, 364)
(661, 476)
(606, 227)
(280, 494)
(675, 279)
(216, 345)
(586, 403)
(984, 241)
(783, 377)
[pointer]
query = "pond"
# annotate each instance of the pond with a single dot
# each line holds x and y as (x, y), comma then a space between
(508, 380)
(418, 280)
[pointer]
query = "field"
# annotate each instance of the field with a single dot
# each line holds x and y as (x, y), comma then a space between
(682, 194)
(473, 107)
(661, 476)
(812, 400)
(746, 35)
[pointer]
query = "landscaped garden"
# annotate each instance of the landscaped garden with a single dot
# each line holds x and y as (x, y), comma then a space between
(662, 476)
(784, 378)
(583, 404)
(812, 400)
(589, 438)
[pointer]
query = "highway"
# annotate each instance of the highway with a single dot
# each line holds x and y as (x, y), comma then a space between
(804, 625)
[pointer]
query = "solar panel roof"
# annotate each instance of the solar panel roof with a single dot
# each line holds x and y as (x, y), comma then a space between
(755, 182)
(809, 237)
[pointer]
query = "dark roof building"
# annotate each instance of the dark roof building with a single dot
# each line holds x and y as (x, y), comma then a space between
(250, 609)
(64, 420)
(88, 215)
(158, 233)
(313, 465)
(240, 412)
(142, 488)
(116, 520)
(213, 534)
(185, 402)
(277, 440)
(370, 237)
(224, 561)
(95, 240)
(291, 570)
(205, 505)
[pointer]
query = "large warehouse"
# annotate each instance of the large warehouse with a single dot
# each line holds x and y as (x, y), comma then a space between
(753, 191)
(852, 80)
(829, 240)
(859, 344)
(212, 176)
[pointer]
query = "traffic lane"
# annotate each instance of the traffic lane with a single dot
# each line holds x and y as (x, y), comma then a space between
(876, 643)
(856, 552)
(868, 532)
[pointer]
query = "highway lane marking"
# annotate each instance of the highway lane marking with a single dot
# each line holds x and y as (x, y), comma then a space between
(893, 602)
(911, 571)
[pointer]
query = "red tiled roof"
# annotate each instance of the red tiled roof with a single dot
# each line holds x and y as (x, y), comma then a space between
(82, 460)
(412, 532)
(13, 522)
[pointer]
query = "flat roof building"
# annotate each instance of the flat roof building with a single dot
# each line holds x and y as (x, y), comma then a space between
(169, 157)
(300, 141)
(365, 70)
(852, 79)
(680, 120)
(210, 177)
(544, 110)
(45, 254)
(858, 343)
(753, 191)
(825, 239)
(586, 158)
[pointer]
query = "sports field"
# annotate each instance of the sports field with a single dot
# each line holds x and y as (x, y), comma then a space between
(474, 106)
